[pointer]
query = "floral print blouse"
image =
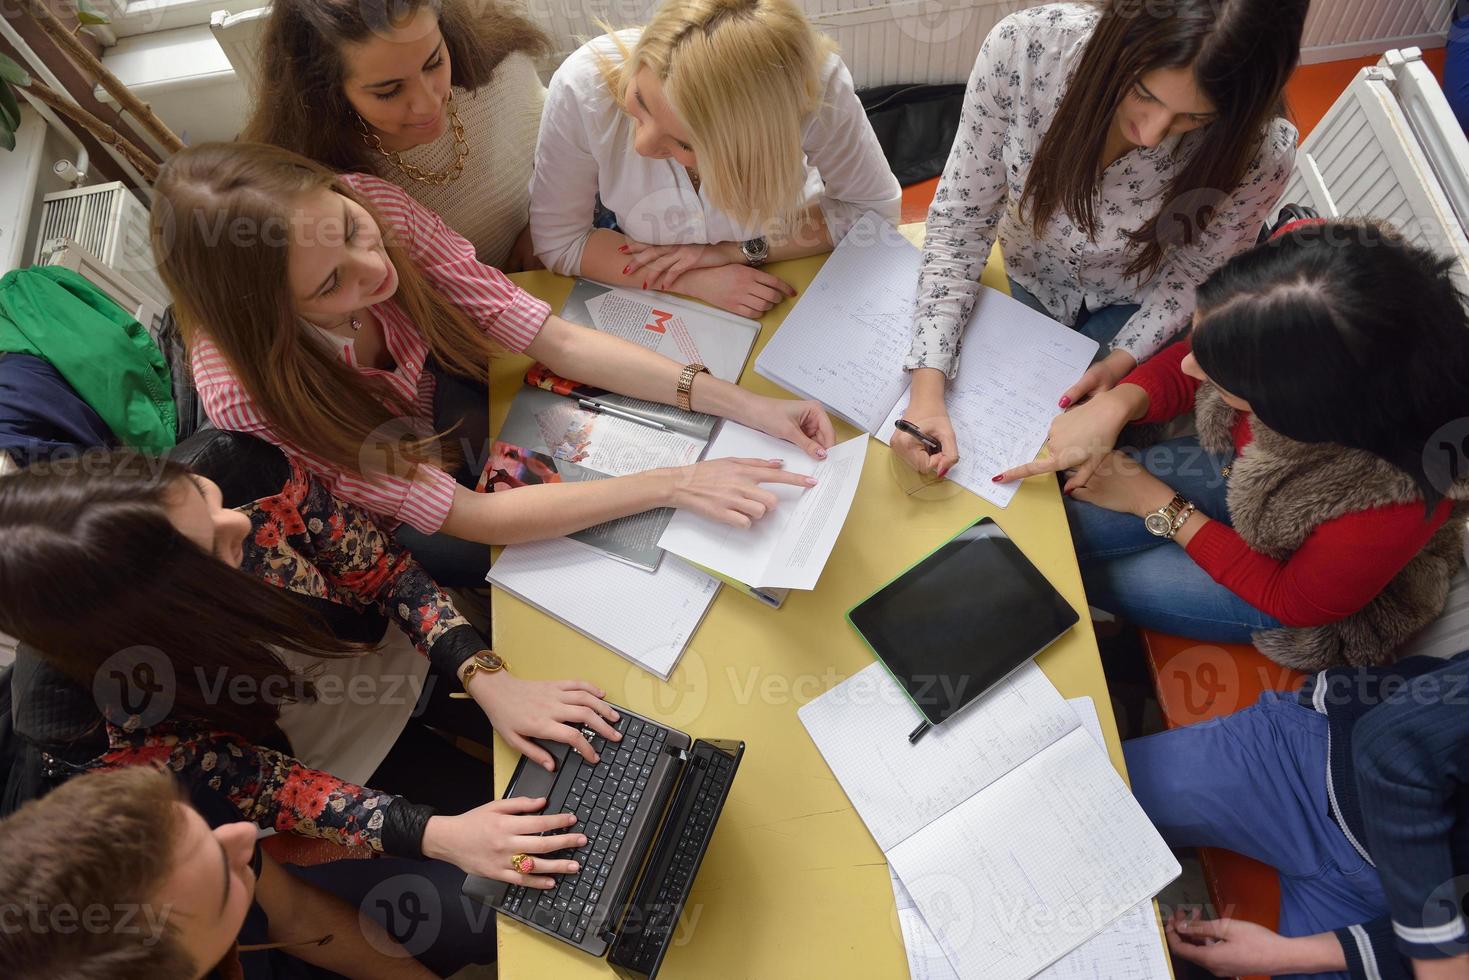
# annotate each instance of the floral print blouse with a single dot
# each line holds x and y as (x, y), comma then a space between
(1016, 86)
(306, 540)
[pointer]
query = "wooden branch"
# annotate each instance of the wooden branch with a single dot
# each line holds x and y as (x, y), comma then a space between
(103, 132)
(90, 65)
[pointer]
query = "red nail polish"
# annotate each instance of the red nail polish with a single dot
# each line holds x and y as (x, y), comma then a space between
(998, 478)
(1065, 401)
(645, 284)
(622, 249)
(626, 269)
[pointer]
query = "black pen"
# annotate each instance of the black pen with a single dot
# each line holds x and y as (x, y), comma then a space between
(918, 732)
(929, 442)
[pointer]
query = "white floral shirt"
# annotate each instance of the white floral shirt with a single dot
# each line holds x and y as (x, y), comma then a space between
(1017, 84)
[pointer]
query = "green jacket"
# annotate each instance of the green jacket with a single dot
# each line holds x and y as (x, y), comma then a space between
(53, 313)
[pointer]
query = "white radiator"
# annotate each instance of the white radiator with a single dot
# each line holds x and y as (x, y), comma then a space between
(1365, 160)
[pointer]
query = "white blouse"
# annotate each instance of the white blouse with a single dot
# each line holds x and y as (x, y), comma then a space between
(586, 149)
(1023, 69)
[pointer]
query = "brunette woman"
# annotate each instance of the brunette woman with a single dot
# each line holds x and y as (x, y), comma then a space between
(1120, 152)
(441, 97)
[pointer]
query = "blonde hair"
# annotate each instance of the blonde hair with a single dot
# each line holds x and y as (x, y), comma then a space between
(743, 75)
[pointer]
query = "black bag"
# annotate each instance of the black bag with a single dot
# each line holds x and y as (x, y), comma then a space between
(915, 124)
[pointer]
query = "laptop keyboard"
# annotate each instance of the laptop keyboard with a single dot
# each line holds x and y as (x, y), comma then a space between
(604, 798)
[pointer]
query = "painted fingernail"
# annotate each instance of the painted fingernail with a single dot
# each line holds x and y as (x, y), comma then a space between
(622, 249)
(1065, 400)
(645, 284)
(943, 472)
(626, 269)
(998, 478)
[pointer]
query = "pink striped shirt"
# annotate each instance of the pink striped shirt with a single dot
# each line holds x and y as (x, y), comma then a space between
(511, 317)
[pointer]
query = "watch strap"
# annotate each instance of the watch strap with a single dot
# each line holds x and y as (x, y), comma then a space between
(685, 392)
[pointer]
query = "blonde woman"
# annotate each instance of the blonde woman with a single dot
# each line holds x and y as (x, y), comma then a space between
(724, 135)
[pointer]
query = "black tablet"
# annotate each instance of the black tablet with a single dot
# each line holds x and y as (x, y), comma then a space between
(961, 620)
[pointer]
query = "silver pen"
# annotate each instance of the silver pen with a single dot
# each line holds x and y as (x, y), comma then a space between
(605, 409)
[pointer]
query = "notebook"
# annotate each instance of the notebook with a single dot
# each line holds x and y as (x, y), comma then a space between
(573, 432)
(1008, 824)
(1132, 948)
(789, 546)
(845, 341)
(647, 617)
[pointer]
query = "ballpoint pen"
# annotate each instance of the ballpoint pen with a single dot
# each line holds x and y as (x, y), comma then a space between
(605, 409)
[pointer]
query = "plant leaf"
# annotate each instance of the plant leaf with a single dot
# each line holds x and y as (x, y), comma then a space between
(13, 73)
(7, 138)
(9, 109)
(90, 15)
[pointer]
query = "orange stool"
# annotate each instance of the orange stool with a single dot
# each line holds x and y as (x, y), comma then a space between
(1199, 681)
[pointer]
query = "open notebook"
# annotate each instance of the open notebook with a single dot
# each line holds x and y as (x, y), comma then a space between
(1008, 826)
(647, 617)
(1132, 948)
(845, 342)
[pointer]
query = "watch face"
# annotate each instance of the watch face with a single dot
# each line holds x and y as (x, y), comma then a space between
(1157, 524)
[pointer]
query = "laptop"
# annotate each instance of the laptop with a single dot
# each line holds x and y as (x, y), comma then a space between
(648, 810)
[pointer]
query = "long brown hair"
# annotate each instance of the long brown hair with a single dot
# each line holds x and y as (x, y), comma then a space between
(299, 100)
(96, 577)
(103, 840)
(221, 230)
(1242, 53)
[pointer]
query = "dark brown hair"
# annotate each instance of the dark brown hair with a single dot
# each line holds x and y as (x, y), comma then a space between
(1242, 53)
(93, 567)
(299, 101)
(234, 289)
(102, 841)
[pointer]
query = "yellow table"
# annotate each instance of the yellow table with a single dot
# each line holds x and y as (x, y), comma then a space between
(793, 885)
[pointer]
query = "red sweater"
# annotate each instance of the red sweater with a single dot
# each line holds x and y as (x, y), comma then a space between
(1340, 566)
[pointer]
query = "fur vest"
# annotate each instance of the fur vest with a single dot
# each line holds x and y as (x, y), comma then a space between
(1280, 490)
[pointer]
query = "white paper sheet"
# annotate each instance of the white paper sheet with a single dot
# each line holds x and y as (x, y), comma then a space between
(789, 546)
(1028, 842)
(1132, 948)
(647, 617)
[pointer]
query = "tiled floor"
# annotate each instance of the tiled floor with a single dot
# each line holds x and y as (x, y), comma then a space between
(1309, 94)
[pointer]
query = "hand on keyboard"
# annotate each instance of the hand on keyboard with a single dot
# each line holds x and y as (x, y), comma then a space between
(557, 711)
(482, 841)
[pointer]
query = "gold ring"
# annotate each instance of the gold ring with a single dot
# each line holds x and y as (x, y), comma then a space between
(523, 863)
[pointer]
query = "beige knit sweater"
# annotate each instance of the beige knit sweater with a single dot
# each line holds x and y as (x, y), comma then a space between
(490, 202)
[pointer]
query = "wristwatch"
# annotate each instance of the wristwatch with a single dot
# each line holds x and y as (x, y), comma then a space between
(489, 662)
(1166, 522)
(756, 251)
(686, 385)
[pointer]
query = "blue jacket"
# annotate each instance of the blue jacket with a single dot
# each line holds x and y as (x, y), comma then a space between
(41, 415)
(1398, 784)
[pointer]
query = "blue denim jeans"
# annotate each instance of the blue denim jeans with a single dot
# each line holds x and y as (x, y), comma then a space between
(1100, 326)
(1254, 782)
(1151, 581)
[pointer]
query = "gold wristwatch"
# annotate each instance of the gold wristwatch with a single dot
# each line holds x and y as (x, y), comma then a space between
(488, 662)
(686, 385)
(1166, 522)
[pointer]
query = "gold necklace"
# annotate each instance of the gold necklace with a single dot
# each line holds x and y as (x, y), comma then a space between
(449, 175)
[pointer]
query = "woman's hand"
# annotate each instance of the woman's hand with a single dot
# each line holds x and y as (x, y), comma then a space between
(661, 265)
(804, 423)
(556, 711)
(1099, 377)
(741, 289)
(482, 841)
(1121, 483)
(1083, 436)
(729, 490)
(1234, 947)
(522, 257)
(935, 422)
